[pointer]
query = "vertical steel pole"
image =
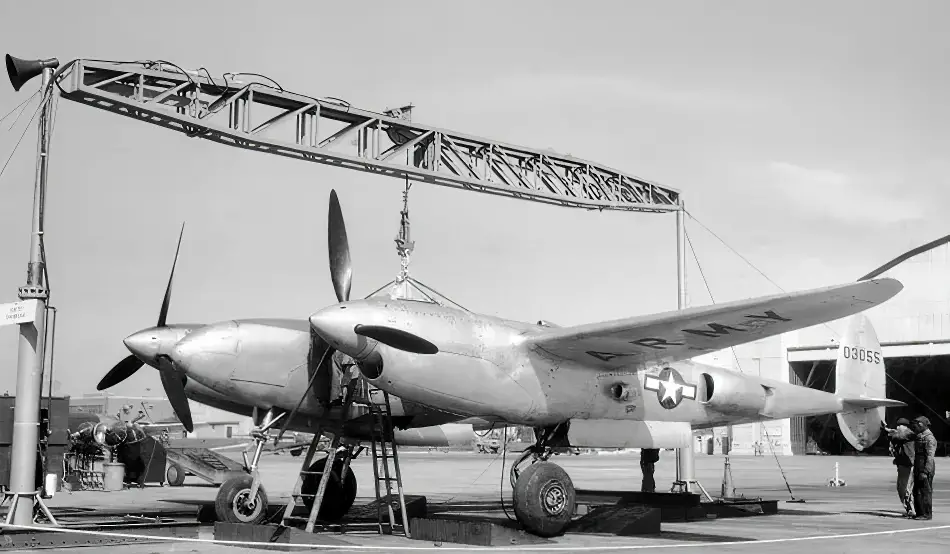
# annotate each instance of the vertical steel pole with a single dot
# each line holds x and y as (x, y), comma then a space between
(684, 456)
(30, 353)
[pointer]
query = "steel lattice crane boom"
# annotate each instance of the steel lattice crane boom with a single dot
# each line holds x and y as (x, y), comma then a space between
(330, 131)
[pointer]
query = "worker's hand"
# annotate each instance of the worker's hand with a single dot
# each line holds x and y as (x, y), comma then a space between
(883, 426)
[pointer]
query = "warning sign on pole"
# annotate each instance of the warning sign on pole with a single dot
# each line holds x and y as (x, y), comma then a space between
(16, 313)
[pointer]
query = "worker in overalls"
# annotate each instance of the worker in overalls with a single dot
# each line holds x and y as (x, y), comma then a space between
(924, 467)
(902, 447)
(648, 458)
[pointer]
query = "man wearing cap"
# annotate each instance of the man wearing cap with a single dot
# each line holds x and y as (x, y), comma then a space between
(902, 447)
(925, 452)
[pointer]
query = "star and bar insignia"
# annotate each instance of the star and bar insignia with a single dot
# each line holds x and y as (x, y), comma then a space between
(670, 387)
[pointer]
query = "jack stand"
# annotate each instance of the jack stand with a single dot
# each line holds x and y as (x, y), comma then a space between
(684, 474)
(728, 489)
(37, 503)
(684, 486)
(260, 437)
(836, 482)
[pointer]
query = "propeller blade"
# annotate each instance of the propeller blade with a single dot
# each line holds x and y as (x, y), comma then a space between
(168, 290)
(341, 272)
(120, 372)
(174, 385)
(327, 354)
(396, 338)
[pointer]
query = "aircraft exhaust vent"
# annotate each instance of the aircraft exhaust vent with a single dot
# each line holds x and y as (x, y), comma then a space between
(708, 388)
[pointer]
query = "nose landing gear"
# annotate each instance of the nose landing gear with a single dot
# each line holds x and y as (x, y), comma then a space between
(242, 499)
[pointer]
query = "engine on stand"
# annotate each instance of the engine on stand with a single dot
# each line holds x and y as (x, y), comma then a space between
(105, 455)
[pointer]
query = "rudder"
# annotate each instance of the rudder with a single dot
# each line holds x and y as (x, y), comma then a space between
(860, 374)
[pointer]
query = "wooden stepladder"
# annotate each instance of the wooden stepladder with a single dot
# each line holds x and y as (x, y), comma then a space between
(386, 469)
(288, 517)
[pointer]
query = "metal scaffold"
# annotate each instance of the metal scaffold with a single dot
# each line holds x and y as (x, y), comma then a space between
(253, 115)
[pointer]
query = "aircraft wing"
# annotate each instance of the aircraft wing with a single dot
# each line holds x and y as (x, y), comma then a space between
(683, 334)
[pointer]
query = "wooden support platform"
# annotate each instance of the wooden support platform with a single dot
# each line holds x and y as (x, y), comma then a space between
(470, 531)
(622, 520)
(676, 506)
(150, 531)
(271, 537)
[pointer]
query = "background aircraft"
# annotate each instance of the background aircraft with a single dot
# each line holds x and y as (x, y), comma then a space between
(258, 368)
(628, 383)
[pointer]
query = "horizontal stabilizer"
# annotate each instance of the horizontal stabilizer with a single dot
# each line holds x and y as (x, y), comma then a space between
(867, 402)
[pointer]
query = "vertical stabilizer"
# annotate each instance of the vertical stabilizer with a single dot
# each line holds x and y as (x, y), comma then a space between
(860, 376)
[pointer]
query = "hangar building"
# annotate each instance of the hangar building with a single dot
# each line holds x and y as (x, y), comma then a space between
(914, 331)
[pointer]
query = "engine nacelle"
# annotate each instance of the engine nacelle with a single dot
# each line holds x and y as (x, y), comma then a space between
(725, 391)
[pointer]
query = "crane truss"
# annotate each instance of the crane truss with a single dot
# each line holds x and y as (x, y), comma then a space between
(256, 116)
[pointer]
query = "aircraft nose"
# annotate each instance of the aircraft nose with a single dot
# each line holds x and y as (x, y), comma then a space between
(207, 352)
(143, 344)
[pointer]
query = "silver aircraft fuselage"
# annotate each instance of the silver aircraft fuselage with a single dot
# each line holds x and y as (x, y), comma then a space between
(485, 369)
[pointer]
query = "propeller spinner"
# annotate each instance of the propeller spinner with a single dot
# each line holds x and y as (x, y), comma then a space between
(146, 347)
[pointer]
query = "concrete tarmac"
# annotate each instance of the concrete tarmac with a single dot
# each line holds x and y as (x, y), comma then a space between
(863, 516)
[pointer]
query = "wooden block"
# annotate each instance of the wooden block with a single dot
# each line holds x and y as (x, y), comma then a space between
(271, 535)
(462, 531)
(416, 507)
(631, 519)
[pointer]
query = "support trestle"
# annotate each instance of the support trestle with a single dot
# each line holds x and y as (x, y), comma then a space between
(306, 470)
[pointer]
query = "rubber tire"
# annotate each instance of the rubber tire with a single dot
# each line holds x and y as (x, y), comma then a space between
(224, 507)
(296, 453)
(337, 499)
(529, 495)
(174, 475)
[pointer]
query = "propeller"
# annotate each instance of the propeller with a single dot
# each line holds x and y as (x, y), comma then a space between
(397, 338)
(172, 379)
(341, 271)
(120, 372)
(174, 384)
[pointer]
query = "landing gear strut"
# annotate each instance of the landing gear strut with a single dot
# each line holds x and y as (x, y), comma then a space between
(242, 499)
(543, 494)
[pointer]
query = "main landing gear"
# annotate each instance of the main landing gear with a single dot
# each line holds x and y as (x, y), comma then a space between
(543, 494)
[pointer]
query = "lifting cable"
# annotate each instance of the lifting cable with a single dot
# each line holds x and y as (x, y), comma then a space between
(874, 273)
(23, 134)
(739, 366)
(21, 105)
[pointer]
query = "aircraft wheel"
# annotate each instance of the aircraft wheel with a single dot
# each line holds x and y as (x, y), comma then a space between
(338, 498)
(174, 475)
(544, 499)
(231, 503)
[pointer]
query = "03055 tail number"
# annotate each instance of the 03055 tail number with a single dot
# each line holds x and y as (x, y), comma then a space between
(862, 355)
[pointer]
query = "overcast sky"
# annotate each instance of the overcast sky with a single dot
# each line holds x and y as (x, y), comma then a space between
(811, 137)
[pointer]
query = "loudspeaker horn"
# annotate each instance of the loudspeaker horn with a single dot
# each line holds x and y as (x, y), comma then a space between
(21, 71)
